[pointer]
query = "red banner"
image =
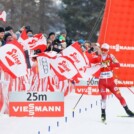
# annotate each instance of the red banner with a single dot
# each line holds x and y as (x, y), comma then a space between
(117, 29)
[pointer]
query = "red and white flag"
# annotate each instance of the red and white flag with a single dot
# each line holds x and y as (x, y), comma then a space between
(90, 72)
(38, 41)
(50, 54)
(75, 53)
(63, 67)
(43, 66)
(12, 59)
(3, 16)
(23, 40)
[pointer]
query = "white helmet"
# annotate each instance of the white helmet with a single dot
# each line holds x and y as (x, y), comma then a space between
(105, 46)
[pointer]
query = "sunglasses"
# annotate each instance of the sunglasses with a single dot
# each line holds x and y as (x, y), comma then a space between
(104, 50)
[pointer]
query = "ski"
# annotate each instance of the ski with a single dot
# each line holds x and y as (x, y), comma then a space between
(127, 116)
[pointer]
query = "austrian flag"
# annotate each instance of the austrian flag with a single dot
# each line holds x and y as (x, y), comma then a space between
(74, 52)
(63, 67)
(3, 16)
(12, 59)
(38, 41)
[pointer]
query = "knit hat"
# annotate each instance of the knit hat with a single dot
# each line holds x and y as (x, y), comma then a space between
(51, 33)
(29, 30)
(81, 41)
(8, 28)
(6, 35)
(2, 29)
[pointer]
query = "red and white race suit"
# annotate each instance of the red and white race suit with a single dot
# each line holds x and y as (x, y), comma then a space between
(106, 79)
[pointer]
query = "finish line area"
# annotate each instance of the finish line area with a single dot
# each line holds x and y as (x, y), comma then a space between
(85, 118)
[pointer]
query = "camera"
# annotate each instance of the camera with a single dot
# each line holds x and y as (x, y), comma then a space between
(91, 50)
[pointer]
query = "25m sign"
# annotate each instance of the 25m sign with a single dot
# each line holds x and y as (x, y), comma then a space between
(36, 104)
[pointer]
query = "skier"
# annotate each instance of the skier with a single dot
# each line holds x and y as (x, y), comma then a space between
(106, 80)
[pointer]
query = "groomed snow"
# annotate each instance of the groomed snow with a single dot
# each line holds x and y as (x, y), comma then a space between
(86, 119)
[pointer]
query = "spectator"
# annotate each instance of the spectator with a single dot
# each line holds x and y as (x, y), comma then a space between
(64, 38)
(96, 47)
(9, 29)
(8, 37)
(51, 36)
(50, 41)
(2, 32)
(29, 33)
(53, 43)
(57, 46)
(87, 45)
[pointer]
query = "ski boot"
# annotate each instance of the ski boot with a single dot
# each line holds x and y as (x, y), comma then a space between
(128, 111)
(103, 115)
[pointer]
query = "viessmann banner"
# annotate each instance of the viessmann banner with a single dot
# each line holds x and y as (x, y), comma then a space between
(117, 29)
(88, 87)
(36, 104)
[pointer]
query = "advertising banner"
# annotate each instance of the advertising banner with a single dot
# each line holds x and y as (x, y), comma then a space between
(36, 104)
(117, 30)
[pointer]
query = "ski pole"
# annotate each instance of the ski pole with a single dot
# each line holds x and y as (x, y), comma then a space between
(81, 95)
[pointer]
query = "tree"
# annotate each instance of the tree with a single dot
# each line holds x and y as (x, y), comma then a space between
(40, 15)
(82, 18)
(79, 17)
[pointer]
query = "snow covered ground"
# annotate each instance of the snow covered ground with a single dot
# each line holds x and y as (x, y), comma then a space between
(84, 120)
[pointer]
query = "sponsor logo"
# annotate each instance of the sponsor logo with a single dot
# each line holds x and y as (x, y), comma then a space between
(75, 57)
(127, 65)
(88, 90)
(63, 66)
(37, 104)
(118, 47)
(125, 82)
(14, 58)
(37, 109)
